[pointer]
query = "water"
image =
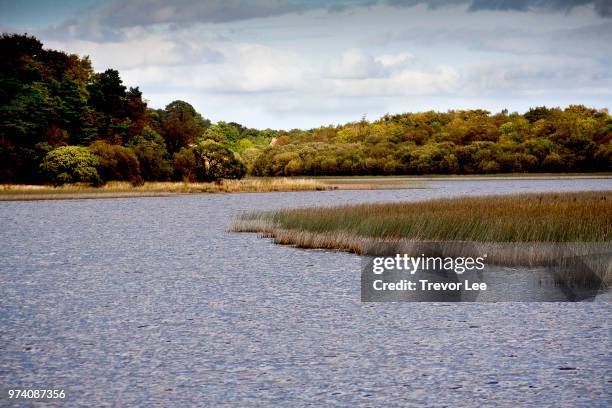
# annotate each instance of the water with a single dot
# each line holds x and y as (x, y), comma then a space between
(151, 302)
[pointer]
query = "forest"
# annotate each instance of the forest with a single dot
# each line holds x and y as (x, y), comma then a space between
(62, 122)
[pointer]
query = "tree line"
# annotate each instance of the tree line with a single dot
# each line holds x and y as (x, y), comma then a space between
(456, 142)
(61, 122)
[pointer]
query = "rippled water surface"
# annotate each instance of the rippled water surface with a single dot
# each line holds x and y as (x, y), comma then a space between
(151, 302)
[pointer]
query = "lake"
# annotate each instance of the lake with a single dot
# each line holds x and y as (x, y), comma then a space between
(151, 302)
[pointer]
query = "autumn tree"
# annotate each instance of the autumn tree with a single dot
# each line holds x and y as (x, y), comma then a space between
(180, 125)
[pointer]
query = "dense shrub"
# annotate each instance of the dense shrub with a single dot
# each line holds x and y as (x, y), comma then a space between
(216, 161)
(208, 161)
(116, 162)
(152, 155)
(185, 166)
(70, 164)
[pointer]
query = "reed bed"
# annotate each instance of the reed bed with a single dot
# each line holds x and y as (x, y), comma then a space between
(528, 229)
(126, 189)
(556, 217)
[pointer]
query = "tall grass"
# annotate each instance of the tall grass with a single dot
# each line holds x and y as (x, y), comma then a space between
(527, 229)
(126, 189)
(247, 185)
(557, 217)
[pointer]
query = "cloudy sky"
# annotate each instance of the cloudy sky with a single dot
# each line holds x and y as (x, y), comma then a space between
(305, 63)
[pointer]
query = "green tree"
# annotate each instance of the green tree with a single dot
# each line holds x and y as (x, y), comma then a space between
(224, 132)
(152, 155)
(208, 161)
(185, 165)
(215, 161)
(107, 93)
(70, 164)
(25, 122)
(75, 115)
(116, 162)
(180, 125)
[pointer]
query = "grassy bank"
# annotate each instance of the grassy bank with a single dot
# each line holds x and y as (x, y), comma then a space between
(125, 189)
(557, 217)
(118, 189)
(521, 229)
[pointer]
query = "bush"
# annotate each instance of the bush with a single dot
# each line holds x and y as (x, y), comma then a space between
(70, 164)
(152, 155)
(216, 161)
(116, 162)
(208, 161)
(553, 162)
(184, 162)
(603, 157)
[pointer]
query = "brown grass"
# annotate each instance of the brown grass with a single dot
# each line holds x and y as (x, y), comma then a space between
(529, 229)
(124, 189)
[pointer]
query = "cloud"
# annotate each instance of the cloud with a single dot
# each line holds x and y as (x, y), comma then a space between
(139, 48)
(602, 7)
(536, 75)
(258, 68)
(107, 22)
(355, 64)
(300, 64)
(432, 4)
(244, 68)
(104, 22)
(356, 73)
(408, 83)
(83, 29)
(512, 36)
(404, 75)
(151, 12)
(127, 13)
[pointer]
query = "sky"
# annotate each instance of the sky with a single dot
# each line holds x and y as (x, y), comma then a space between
(306, 63)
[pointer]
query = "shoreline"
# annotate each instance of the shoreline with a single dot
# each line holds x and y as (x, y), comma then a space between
(14, 192)
(112, 190)
(583, 258)
(530, 229)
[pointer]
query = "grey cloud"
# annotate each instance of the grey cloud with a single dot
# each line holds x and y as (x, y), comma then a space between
(91, 30)
(432, 4)
(590, 41)
(130, 13)
(602, 7)
(190, 53)
(146, 12)
(536, 75)
(106, 22)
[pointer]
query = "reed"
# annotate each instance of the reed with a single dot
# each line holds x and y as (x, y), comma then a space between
(527, 229)
(126, 189)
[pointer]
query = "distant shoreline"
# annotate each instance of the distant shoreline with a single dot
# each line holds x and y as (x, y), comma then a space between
(19, 192)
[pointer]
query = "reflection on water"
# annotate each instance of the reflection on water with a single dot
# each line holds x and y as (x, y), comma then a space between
(151, 302)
